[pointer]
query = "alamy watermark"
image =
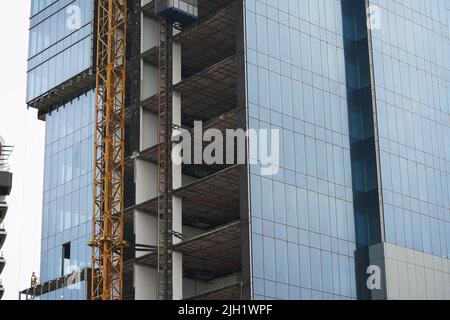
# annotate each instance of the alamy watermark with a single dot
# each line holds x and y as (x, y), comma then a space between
(374, 17)
(73, 21)
(374, 280)
(216, 147)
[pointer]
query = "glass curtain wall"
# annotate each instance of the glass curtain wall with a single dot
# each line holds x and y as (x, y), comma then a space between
(411, 49)
(67, 212)
(302, 220)
(60, 45)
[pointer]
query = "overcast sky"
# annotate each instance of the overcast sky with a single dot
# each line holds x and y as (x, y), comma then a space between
(20, 128)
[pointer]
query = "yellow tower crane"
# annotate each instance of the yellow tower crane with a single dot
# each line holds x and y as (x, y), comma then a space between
(108, 217)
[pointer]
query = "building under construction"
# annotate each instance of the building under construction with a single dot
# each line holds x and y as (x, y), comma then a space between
(177, 228)
(117, 80)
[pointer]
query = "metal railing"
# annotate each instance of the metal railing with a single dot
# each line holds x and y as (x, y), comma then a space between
(5, 152)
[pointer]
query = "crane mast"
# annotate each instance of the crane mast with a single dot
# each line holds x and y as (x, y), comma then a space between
(108, 206)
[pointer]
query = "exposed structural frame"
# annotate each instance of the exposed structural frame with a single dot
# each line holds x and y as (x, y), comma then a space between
(108, 215)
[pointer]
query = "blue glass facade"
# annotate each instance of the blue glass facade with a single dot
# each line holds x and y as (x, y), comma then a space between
(60, 45)
(411, 54)
(74, 292)
(303, 231)
(68, 188)
(383, 175)
(39, 5)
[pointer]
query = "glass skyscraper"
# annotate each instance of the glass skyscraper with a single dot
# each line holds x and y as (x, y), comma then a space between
(303, 231)
(60, 50)
(360, 93)
(410, 53)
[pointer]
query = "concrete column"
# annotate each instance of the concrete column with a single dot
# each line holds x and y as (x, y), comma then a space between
(177, 210)
(177, 182)
(145, 283)
(146, 174)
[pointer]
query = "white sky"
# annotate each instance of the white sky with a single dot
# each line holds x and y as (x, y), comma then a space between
(20, 127)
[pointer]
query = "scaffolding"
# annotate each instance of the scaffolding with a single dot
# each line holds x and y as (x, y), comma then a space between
(164, 161)
(108, 218)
